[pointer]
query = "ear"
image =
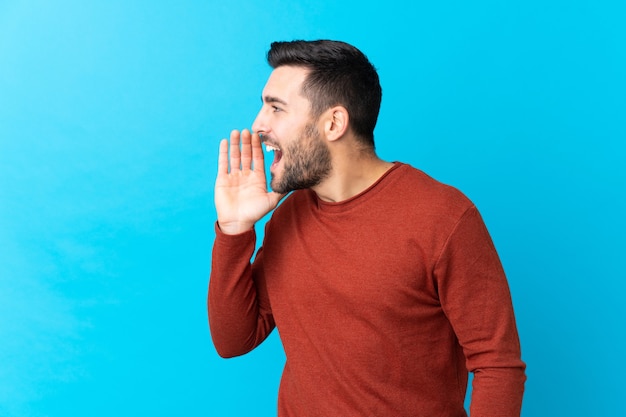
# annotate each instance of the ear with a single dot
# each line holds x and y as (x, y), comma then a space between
(336, 123)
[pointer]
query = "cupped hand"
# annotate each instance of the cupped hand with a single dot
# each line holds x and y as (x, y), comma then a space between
(241, 194)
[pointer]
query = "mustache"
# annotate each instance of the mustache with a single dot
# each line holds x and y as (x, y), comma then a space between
(265, 138)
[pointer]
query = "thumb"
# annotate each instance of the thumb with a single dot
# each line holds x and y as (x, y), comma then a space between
(275, 198)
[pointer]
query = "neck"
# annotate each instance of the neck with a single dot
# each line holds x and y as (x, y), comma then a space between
(352, 173)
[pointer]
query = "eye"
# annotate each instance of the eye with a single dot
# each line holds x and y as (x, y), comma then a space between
(276, 109)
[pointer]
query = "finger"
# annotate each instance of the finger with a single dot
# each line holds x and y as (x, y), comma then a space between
(246, 151)
(235, 153)
(222, 159)
(257, 152)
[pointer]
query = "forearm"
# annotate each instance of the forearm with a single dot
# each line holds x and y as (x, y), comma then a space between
(498, 391)
(238, 319)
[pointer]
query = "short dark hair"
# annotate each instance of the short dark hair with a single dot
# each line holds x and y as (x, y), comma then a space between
(340, 74)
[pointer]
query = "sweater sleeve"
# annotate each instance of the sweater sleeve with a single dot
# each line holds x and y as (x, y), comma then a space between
(475, 297)
(240, 316)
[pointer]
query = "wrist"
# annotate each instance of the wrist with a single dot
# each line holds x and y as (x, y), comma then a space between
(234, 228)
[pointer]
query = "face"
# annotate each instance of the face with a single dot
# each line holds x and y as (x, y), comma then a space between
(301, 156)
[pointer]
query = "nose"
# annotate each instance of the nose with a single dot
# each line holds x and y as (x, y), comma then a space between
(260, 124)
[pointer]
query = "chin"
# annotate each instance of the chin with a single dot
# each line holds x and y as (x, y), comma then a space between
(275, 182)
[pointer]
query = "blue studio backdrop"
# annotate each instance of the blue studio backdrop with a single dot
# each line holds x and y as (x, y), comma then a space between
(110, 118)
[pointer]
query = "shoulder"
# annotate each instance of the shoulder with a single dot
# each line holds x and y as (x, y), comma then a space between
(418, 188)
(429, 210)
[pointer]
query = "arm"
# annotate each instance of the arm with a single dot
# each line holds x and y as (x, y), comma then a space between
(475, 296)
(239, 313)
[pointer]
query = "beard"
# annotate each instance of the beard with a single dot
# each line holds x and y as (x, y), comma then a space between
(307, 162)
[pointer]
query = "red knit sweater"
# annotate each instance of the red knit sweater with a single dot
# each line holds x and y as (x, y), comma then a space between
(383, 303)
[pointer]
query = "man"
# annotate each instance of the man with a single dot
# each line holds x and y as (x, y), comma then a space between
(384, 283)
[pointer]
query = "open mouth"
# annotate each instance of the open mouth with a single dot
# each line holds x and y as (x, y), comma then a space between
(278, 154)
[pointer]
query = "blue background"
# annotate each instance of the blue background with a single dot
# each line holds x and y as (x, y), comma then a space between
(110, 117)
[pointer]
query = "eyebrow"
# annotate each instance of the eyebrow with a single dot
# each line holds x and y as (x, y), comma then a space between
(272, 99)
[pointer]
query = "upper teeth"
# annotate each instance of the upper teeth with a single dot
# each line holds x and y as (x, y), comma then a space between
(270, 148)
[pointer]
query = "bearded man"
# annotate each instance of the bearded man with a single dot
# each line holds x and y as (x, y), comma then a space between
(383, 282)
